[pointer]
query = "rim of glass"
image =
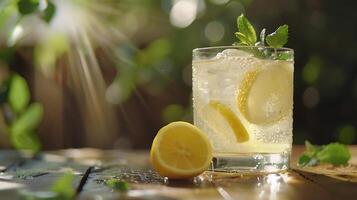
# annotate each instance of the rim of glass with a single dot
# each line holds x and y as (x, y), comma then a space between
(239, 46)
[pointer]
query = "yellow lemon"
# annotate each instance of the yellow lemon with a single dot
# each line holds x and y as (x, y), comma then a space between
(180, 150)
(233, 121)
(266, 95)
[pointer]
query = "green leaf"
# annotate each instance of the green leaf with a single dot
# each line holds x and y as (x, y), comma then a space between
(304, 159)
(49, 12)
(262, 36)
(246, 28)
(27, 7)
(242, 39)
(308, 158)
(63, 187)
(334, 153)
(284, 56)
(19, 94)
(279, 38)
(25, 141)
(310, 148)
(117, 184)
(29, 120)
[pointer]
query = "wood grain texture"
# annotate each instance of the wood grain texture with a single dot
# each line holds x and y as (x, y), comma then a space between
(24, 174)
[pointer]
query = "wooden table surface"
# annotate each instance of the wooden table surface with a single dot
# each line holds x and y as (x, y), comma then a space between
(21, 174)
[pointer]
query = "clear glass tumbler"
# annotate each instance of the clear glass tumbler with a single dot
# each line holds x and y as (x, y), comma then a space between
(243, 101)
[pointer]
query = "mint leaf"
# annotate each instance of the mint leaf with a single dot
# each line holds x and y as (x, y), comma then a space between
(246, 29)
(242, 39)
(19, 94)
(279, 38)
(304, 159)
(334, 153)
(262, 36)
(284, 56)
(27, 7)
(63, 187)
(117, 184)
(311, 149)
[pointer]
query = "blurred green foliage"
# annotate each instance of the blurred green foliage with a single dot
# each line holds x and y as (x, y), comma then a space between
(27, 7)
(22, 117)
(156, 57)
(19, 93)
(26, 118)
(63, 187)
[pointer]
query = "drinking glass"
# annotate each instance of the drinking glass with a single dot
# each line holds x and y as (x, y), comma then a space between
(243, 101)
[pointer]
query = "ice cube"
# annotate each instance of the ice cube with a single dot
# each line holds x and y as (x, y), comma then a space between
(233, 53)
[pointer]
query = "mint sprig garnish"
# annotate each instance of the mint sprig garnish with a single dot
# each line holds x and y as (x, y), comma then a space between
(247, 36)
(246, 33)
(333, 153)
(262, 37)
(279, 38)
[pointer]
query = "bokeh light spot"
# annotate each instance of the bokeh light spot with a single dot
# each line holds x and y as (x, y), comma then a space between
(183, 13)
(311, 97)
(214, 31)
(347, 134)
(311, 71)
(173, 112)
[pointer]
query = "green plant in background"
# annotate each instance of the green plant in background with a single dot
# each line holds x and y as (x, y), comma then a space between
(22, 118)
(27, 7)
(156, 56)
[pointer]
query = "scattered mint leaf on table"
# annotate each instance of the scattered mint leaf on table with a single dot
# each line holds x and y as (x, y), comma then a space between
(279, 38)
(63, 187)
(333, 153)
(117, 184)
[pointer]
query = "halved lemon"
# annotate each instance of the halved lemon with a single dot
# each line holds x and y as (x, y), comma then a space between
(232, 120)
(180, 150)
(266, 95)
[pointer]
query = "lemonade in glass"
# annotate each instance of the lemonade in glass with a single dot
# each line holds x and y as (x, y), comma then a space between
(243, 101)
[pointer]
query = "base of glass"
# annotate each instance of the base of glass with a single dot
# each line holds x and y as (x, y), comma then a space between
(250, 162)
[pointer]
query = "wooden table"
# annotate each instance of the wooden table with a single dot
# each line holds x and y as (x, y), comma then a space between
(21, 174)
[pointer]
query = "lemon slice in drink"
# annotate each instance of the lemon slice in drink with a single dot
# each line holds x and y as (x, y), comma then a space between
(233, 122)
(265, 95)
(180, 150)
